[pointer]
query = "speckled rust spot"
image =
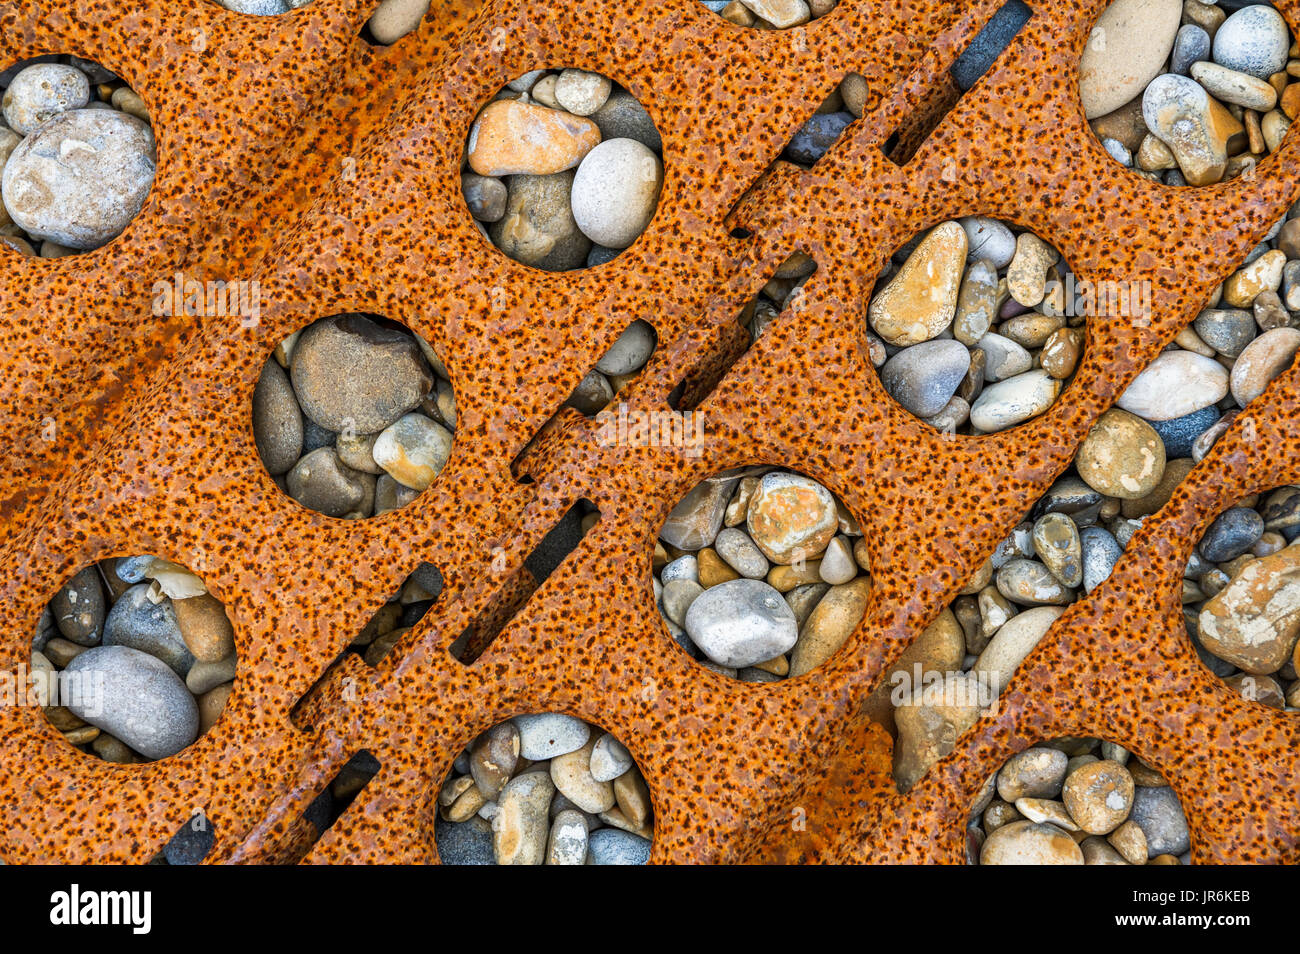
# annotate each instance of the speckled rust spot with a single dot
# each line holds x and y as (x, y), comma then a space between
(293, 153)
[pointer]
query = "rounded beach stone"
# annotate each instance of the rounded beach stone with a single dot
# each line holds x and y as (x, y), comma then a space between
(741, 622)
(42, 91)
(615, 192)
(141, 701)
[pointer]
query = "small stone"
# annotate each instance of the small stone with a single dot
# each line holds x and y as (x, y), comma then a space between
(42, 91)
(592, 394)
(137, 622)
(1061, 352)
(1098, 851)
(1229, 86)
(568, 839)
(484, 195)
(1191, 45)
(1175, 384)
(1253, 40)
(633, 796)
(1037, 772)
(80, 178)
(741, 622)
(741, 553)
(390, 495)
(832, 622)
(930, 723)
(467, 843)
(493, 758)
(358, 452)
(1195, 127)
(837, 564)
(511, 137)
(1003, 358)
(610, 846)
(1014, 401)
(1014, 641)
(1101, 551)
(1122, 456)
(1263, 273)
(1057, 543)
(694, 523)
(80, 608)
(609, 759)
(354, 375)
(206, 676)
(571, 773)
(1043, 810)
(538, 227)
(791, 517)
(582, 93)
(1123, 125)
(630, 351)
(1157, 812)
(1131, 842)
(322, 483)
(816, 136)
(211, 704)
(1264, 359)
(1254, 621)
(394, 19)
(277, 420)
(990, 241)
(1030, 843)
(924, 377)
(547, 735)
(677, 598)
(919, 302)
(142, 702)
(976, 302)
(1231, 534)
(413, 450)
(616, 191)
(205, 627)
(1099, 796)
(623, 117)
(685, 567)
(1131, 41)
(521, 829)
(1027, 273)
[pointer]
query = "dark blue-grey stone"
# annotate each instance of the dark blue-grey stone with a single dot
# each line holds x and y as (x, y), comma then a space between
(817, 135)
(1179, 433)
(1226, 330)
(314, 437)
(138, 623)
(1158, 814)
(1233, 533)
(599, 254)
(924, 377)
(997, 34)
(1191, 45)
(464, 843)
(1100, 552)
(613, 846)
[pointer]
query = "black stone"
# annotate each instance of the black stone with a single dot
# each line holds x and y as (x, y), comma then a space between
(1233, 533)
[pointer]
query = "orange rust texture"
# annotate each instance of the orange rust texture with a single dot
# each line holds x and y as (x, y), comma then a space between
(292, 153)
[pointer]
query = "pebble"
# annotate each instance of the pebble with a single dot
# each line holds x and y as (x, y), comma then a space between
(630, 351)
(1264, 359)
(485, 196)
(1131, 41)
(678, 596)
(1253, 621)
(1231, 534)
(1157, 812)
(741, 553)
(538, 227)
(520, 832)
(920, 301)
(320, 482)
(352, 374)
(571, 773)
(206, 676)
(616, 191)
(1122, 456)
(609, 846)
(413, 450)
(929, 727)
(1012, 643)
(1196, 129)
(277, 420)
(582, 93)
(685, 567)
(1030, 843)
(1014, 401)
(1230, 86)
(976, 303)
(924, 377)
(394, 19)
(791, 517)
(816, 136)
(741, 622)
(135, 621)
(609, 759)
(1037, 772)
(512, 137)
(493, 758)
(1180, 433)
(1057, 543)
(568, 840)
(1191, 45)
(829, 625)
(1099, 796)
(80, 178)
(696, 520)
(42, 91)
(1254, 40)
(205, 627)
(838, 565)
(1101, 551)
(988, 240)
(1131, 842)
(467, 843)
(143, 702)
(623, 117)
(80, 609)
(1175, 384)
(1003, 358)
(1027, 273)
(547, 735)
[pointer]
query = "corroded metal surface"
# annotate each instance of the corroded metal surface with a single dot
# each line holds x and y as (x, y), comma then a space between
(292, 153)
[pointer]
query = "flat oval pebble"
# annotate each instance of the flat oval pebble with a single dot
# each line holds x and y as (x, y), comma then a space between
(413, 450)
(1175, 384)
(924, 377)
(1030, 843)
(142, 701)
(1129, 45)
(609, 759)
(1101, 551)
(741, 622)
(1037, 772)
(1264, 359)
(40, 92)
(511, 137)
(1121, 456)
(1157, 812)
(610, 846)
(1254, 40)
(546, 735)
(1099, 796)
(1014, 401)
(1254, 621)
(616, 191)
